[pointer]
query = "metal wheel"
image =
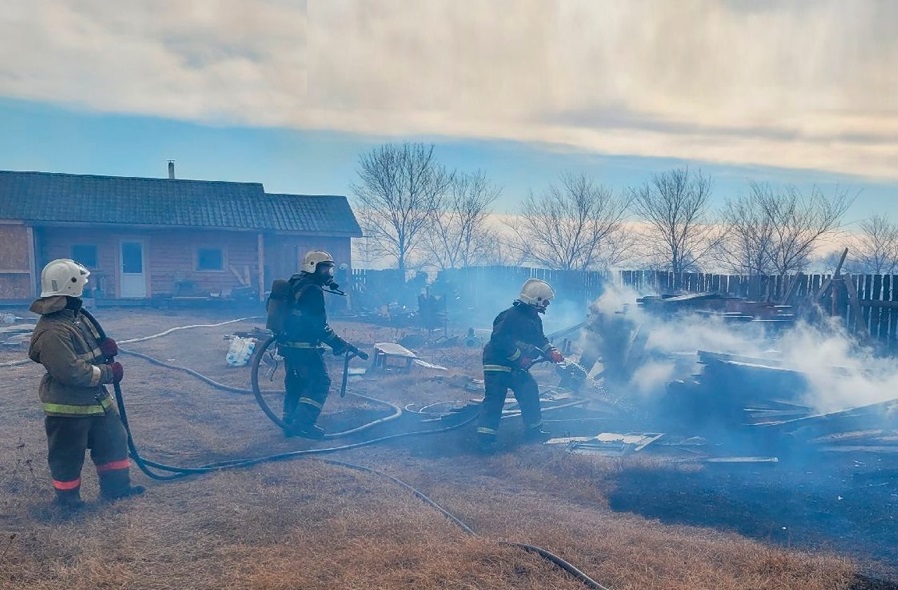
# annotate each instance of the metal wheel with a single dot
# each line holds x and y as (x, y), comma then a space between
(268, 374)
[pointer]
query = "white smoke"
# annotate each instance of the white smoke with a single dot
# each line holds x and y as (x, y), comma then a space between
(840, 373)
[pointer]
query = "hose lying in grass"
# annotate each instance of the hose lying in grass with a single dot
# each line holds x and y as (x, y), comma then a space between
(143, 338)
(147, 466)
(397, 411)
(544, 553)
(178, 472)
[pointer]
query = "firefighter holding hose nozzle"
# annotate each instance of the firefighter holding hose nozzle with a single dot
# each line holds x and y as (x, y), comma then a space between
(517, 341)
(80, 414)
(297, 315)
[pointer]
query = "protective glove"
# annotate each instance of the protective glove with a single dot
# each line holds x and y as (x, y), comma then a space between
(108, 347)
(118, 371)
(555, 356)
(339, 347)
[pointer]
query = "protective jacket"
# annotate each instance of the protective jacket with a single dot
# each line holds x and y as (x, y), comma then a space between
(306, 323)
(67, 345)
(517, 331)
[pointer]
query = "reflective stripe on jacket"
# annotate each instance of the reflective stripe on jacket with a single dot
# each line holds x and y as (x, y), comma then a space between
(68, 347)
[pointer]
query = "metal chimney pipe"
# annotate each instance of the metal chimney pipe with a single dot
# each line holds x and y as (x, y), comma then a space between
(171, 169)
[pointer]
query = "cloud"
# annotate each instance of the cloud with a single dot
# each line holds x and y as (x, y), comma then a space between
(800, 84)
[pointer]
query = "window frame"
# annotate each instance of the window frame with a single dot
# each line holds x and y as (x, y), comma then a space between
(196, 259)
(95, 262)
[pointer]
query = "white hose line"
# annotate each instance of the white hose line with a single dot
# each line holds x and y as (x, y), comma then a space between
(144, 338)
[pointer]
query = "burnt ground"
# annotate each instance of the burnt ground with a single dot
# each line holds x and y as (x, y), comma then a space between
(789, 505)
(846, 505)
(838, 505)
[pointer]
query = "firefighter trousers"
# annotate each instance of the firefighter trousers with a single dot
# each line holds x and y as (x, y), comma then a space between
(496, 385)
(307, 384)
(68, 438)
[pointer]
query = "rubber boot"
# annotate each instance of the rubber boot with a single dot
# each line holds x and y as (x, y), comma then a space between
(536, 434)
(288, 425)
(115, 485)
(69, 499)
(290, 403)
(306, 430)
(486, 443)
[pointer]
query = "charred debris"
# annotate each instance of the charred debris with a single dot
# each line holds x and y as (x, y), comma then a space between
(753, 407)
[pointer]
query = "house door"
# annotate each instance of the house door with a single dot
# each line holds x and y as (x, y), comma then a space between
(133, 280)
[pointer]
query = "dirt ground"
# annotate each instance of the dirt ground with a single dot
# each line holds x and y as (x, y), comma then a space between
(306, 523)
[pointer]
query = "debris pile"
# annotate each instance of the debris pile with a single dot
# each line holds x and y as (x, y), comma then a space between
(15, 332)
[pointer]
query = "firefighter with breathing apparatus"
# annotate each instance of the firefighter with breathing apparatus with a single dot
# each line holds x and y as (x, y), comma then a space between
(517, 341)
(297, 315)
(80, 414)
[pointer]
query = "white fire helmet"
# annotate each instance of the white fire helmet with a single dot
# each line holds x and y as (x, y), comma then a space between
(536, 293)
(63, 276)
(313, 258)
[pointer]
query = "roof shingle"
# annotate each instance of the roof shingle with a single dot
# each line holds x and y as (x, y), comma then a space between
(72, 198)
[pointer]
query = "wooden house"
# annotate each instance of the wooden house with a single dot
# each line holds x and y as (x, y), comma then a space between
(152, 238)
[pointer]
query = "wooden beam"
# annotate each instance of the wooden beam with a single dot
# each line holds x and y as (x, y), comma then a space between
(859, 324)
(32, 262)
(237, 275)
(793, 286)
(826, 284)
(841, 262)
(877, 303)
(260, 249)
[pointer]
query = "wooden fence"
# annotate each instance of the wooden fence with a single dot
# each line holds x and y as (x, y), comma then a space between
(868, 304)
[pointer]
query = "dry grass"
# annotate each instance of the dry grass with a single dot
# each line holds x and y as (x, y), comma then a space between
(306, 524)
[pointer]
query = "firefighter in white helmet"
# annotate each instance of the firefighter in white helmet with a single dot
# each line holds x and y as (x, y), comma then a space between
(516, 343)
(298, 316)
(80, 414)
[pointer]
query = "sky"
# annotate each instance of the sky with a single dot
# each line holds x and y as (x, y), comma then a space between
(290, 93)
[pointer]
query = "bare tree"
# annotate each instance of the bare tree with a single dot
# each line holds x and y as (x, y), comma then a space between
(877, 245)
(399, 192)
(827, 262)
(675, 205)
(460, 235)
(748, 243)
(797, 221)
(575, 225)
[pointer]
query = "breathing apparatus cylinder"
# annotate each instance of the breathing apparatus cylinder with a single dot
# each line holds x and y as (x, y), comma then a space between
(277, 306)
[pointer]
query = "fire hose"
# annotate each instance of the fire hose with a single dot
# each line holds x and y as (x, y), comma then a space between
(147, 466)
(264, 352)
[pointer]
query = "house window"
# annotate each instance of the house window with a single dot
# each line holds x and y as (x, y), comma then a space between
(209, 259)
(86, 254)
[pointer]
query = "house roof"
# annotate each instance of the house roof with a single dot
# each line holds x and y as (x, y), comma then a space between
(43, 197)
(313, 213)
